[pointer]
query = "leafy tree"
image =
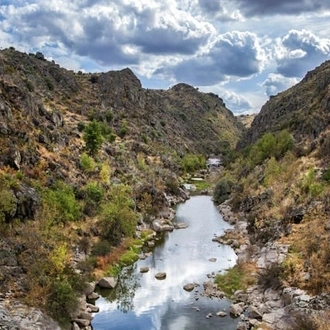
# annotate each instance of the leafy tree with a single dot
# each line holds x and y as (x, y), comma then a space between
(93, 137)
(191, 163)
(118, 216)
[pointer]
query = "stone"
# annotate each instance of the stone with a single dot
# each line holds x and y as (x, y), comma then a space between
(160, 276)
(181, 225)
(240, 296)
(82, 322)
(85, 316)
(189, 287)
(93, 296)
(209, 315)
(213, 259)
(75, 326)
(89, 288)
(236, 309)
(254, 313)
(221, 314)
(107, 282)
(151, 244)
(144, 269)
(92, 308)
(242, 326)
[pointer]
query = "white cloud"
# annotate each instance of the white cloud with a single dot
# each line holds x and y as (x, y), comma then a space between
(276, 83)
(298, 51)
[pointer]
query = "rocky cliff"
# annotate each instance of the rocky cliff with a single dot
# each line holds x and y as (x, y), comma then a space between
(303, 109)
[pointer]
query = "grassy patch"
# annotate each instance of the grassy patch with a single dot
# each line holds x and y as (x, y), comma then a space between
(237, 278)
(202, 185)
(128, 258)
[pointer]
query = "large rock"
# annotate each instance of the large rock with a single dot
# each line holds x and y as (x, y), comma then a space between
(159, 226)
(107, 282)
(89, 288)
(236, 309)
(254, 312)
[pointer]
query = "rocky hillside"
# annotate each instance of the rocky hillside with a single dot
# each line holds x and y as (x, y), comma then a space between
(87, 162)
(304, 110)
(278, 186)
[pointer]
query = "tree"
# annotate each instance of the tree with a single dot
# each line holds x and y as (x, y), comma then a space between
(93, 137)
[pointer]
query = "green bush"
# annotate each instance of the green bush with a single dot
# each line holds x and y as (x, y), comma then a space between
(222, 190)
(60, 204)
(94, 192)
(191, 163)
(80, 126)
(87, 163)
(93, 137)
(123, 129)
(101, 248)
(62, 300)
(118, 217)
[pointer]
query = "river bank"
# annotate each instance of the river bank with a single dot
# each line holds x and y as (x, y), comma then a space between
(270, 304)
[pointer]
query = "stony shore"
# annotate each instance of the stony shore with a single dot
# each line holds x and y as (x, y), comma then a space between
(276, 308)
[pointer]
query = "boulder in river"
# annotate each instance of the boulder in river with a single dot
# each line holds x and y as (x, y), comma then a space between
(144, 269)
(160, 276)
(107, 282)
(189, 287)
(236, 309)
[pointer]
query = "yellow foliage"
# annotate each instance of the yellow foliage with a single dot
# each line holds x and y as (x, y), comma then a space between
(60, 258)
(105, 173)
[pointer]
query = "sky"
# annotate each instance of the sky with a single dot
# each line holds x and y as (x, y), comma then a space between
(243, 50)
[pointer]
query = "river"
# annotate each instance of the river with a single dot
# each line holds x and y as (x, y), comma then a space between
(141, 302)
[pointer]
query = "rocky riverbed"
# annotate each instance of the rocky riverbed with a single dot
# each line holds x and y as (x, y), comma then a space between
(277, 307)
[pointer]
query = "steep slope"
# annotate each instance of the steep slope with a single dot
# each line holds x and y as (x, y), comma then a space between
(279, 187)
(304, 109)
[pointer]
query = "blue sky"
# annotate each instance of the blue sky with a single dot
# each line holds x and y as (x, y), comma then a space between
(242, 50)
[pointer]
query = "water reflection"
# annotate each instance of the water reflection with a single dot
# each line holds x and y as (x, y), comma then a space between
(142, 302)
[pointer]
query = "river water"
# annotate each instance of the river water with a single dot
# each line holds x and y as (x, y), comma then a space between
(141, 302)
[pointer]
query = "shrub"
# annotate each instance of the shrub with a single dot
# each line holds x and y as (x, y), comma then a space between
(118, 217)
(87, 163)
(93, 137)
(271, 277)
(303, 321)
(191, 163)
(222, 190)
(105, 173)
(123, 129)
(7, 204)
(62, 300)
(80, 126)
(109, 115)
(94, 192)
(101, 248)
(60, 204)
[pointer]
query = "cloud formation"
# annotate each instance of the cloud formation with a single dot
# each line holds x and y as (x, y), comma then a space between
(252, 8)
(298, 51)
(276, 83)
(233, 54)
(205, 43)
